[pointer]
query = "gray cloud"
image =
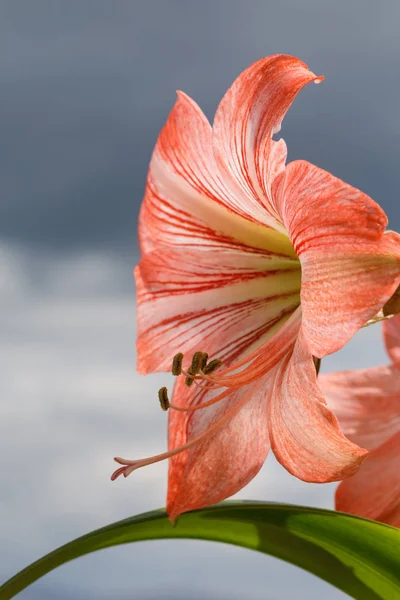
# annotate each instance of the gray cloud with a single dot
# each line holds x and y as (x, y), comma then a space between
(87, 85)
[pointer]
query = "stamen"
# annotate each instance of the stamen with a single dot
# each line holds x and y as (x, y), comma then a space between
(255, 365)
(177, 364)
(163, 398)
(131, 465)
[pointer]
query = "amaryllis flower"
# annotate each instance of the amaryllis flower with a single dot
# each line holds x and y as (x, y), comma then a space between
(367, 403)
(264, 266)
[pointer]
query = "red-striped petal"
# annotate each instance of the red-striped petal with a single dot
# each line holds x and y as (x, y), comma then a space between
(187, 203)
(305, 435)
(230, 457)
(225, 461)
(350, 268)
(249, 114)
(223, 303)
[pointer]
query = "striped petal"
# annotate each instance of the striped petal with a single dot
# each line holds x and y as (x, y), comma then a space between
(374, 492)
(350, 268)
(226, 460)
(223, 303)
(366, 403)
(234, 432)
(188, 203)
(305, 435)
(391, 335)
(246, 119)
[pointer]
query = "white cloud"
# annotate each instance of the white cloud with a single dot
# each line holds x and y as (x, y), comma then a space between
(71, 400)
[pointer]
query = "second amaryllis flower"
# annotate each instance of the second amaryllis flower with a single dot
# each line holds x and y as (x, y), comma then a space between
(367, 404)
(263, 265)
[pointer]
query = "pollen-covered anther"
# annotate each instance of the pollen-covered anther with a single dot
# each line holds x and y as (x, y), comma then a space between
(212, 366)
(198, 361)
(163, 398)
(177, 364)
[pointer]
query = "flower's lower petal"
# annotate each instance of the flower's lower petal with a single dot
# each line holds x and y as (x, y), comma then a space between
(374, 492)
(227, 459)
(391, 334)
(350, 268)
(305, 435)
(366, 403)
(222, 303)
(224, 462)
(246, 119)
(188, 204)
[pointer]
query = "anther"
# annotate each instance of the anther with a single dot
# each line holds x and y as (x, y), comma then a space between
(177, 364)
(212, 366)
(204, 360)
(197, 363)
(163, 398)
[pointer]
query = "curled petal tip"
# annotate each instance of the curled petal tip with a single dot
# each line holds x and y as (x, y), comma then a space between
(319, 78)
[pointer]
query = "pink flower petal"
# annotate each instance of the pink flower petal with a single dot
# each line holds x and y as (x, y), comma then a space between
(225, 461)
(187, 203)
(366, 403)
(223, 303)
(230, 457)
(350, 268)
(374, 492)
(249, 114)
(305, 435)
(391, 334)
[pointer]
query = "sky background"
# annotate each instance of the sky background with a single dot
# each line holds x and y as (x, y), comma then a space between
(85, 88)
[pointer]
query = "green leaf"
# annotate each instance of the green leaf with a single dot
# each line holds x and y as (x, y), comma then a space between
(358, 556)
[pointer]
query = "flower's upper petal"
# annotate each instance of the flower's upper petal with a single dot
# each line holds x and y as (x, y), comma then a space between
(366, 403)
(249, 114)
(350, 268)
(223, 303)
(188, 203)
(374, 492)
(225, 461)
(305, 435)
(391, 334)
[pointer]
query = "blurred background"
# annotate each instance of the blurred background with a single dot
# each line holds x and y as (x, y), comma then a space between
(86, 86)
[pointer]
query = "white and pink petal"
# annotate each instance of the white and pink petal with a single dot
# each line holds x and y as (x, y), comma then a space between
(225, 460)
(188, 203)
(222, 303)
(350, 267)
(247, 117)
(374, 492)
(305, 435)
(366, 403)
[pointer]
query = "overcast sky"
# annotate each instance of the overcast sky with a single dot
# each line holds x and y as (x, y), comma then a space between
(85, 87)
